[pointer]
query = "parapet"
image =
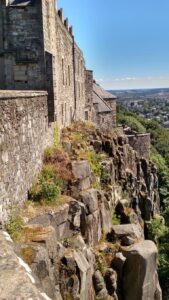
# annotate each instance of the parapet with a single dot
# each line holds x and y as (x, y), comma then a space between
(65, 21)
(13, 94)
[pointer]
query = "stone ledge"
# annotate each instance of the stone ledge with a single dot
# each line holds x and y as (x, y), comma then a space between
(11, 94)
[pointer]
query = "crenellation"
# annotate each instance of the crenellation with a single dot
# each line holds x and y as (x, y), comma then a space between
(66, 23)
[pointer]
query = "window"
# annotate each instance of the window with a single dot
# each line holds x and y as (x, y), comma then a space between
(71, 114)
(62, 111)
(20, 73)
(63, 77)
(81, 68)
(65, 113)
(69, 75)
(86, 115)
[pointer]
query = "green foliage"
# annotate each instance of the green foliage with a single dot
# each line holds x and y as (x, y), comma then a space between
(160, 156)
(115, 219)
(104, 176)
(49, 151)
(77, 137)
(132, 122)
(14, 227)
(56, 137)
(156, 229)
(94, 159)
(101, 263)
(48, 185)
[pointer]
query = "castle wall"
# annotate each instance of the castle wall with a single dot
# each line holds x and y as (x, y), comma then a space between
(141, 144)
(23, 51)
(79, 82)
(89, 110)
(24, 134)
(64, 73)
(112, 104)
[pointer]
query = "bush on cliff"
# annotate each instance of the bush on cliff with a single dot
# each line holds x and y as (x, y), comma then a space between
(60, 161)
(48, 186)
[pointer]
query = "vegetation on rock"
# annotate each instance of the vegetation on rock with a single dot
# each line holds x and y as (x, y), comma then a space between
(48, 185)
(160, 156)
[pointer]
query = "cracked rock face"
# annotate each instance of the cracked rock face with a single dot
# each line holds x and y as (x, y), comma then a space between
(16, 279)
(76, 250)
(139, 272)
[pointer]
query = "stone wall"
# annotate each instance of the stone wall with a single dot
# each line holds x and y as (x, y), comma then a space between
(89, 111)
(79, 82)
(24, 133)
(141, 144)
(65, 73)
(38, 52)
(22, 48)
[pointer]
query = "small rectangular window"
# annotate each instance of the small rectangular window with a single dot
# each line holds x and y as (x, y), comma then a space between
(62, 109)
(65, 113)
(86, 115)
(69, 75)
(63, 77)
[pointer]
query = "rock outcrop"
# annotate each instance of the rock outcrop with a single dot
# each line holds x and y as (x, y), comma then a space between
(91, 245)
(139, 272)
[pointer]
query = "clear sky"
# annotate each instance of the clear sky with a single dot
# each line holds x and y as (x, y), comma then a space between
(125, 42)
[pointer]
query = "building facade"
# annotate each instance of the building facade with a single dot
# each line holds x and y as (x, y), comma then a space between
(38, 52)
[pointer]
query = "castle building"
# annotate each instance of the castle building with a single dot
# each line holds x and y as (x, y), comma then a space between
(38, 52)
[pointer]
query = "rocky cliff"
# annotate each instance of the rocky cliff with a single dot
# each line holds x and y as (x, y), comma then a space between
(91, 243)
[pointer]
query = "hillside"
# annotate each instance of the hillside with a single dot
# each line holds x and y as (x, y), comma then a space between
(160, 156)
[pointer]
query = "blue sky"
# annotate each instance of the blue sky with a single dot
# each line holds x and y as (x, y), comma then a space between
(125, 42)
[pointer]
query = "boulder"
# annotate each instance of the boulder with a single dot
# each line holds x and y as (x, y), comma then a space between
(16, 280)
(99, 286)
(86, 288)
(139, 271)
(134, 231)
(76, 210)
(81, 169)
(111, 281)
(105, 214)
(90, 200)
(93, 229)
(118, 263)
(37, 233)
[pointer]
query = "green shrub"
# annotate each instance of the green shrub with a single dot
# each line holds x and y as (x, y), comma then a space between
(14, 227)
(56, 137)
(156, 229)
(101, 263)
(48, 185)
(49, 151)
(104, 176)
(94, 159)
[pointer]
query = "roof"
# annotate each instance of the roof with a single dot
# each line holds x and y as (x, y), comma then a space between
(22, 2)
(102, 93)
(102, 106)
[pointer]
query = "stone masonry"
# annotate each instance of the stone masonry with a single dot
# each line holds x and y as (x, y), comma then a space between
(38, 52)
(24, 134)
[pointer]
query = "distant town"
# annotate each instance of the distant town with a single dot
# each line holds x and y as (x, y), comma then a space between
(148, 103)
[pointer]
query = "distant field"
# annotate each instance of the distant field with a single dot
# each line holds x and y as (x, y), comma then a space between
(141, 94)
